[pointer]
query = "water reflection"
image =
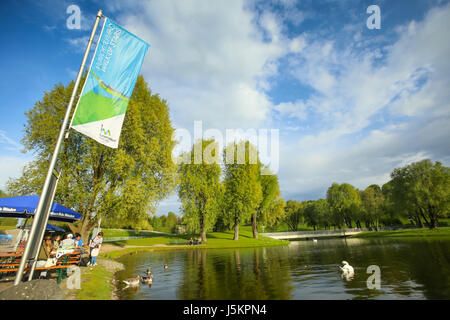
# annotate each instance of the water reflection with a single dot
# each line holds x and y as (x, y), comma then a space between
(302, 270)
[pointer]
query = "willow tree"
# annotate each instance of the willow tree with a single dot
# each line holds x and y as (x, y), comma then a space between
(294, 214)
(423, 190)
(344, 201)
(199, 187)
(123, 184)
(372, 201)
(243, 192)
(271, 207)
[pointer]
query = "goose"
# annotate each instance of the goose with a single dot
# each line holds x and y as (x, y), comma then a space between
(347, 271)
(132, 281)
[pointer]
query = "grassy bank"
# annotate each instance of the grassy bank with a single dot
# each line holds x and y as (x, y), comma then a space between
(422, 233)
(96, 284)
(215, 240)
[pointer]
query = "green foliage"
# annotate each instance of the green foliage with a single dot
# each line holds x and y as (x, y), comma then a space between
(344, 201)
(317, 213)
(271, 209)
(199, 188)
(171, 222)
(294, 214)
(120, 185)
(3, 194)
(372, 202)
(243, 192)
(421, 190)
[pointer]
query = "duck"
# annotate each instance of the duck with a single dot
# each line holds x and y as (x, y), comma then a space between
(347, 271)
(148, 278)
(132, 281)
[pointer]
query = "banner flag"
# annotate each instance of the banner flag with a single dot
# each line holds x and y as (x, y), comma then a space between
(103, 102)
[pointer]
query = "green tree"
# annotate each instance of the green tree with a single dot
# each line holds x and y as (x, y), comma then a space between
(123, 184)
(317, 213)
(271, 208)
(199, 188)
(293, 214)
(171, 222)
(344, 201)
(243, 193)
(311, 215)
(372, 202)
(423, 190)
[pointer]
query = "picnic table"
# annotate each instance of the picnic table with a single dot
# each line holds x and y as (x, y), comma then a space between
(10, 261)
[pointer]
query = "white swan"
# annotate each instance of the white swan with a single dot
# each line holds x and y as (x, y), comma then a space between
(347, 271)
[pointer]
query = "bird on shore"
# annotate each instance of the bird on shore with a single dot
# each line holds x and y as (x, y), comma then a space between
(347, 271)
(132, 281)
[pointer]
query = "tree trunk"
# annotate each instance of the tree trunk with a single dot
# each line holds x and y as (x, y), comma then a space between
(254, 227)
(84, 229)
(420, 224)
(202, 229)
(429, 224)
(236, 229)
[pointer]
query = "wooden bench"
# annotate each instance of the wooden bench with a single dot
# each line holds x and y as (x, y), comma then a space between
(65, 261)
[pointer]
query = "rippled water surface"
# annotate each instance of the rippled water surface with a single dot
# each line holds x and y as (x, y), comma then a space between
(410, 269)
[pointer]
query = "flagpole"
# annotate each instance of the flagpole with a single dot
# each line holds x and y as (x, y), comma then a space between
(34, 232)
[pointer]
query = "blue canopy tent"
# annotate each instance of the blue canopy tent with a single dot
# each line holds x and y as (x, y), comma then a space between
(25, 206)
(49, 228)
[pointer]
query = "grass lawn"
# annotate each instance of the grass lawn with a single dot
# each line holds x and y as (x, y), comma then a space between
(96, 284)
(439, 233)
(110, 233)
(215, 240)
(3, 228)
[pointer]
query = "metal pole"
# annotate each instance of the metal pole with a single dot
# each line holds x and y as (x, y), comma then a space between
(43, 196)
(45, 215)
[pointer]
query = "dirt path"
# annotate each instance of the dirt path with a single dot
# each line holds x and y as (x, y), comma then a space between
(107, 247)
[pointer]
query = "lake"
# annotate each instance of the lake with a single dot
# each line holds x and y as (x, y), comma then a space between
(410, 269)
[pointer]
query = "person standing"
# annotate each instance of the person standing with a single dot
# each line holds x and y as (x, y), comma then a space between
(95, 243)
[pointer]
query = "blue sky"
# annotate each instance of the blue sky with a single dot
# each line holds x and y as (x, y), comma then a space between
(350, 103)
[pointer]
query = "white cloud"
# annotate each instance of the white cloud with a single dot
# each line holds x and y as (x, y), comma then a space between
(404, 100)
(380, 109)
(7, 143)
(11, 167)
(210, 59)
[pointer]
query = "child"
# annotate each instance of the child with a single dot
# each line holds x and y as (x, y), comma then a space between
(94, 254)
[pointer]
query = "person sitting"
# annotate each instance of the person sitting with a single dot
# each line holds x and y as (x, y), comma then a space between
(195, 241)
(191, 241)
(56, 241)
(79, 242)
(68, 242)
(44, 254)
